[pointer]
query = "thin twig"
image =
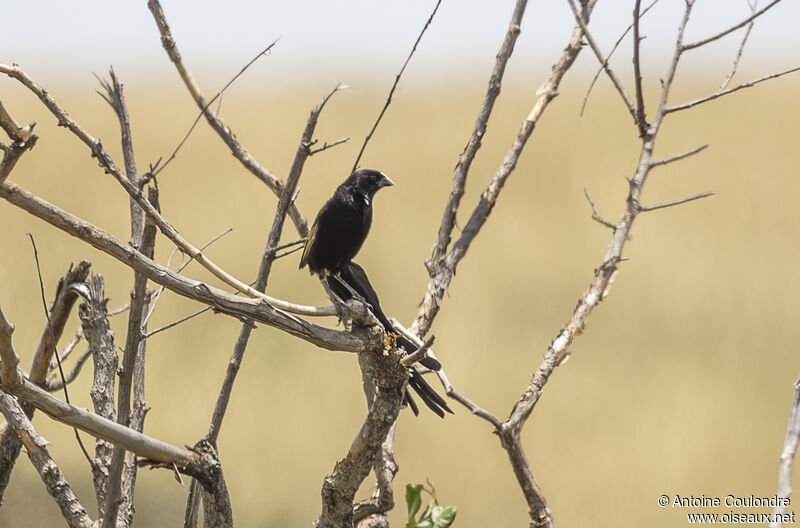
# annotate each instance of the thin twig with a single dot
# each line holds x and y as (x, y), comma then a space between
(204, 109)
(641, 120)
(325, 146)
(420, 353)
(680, 156)
(151, 333)
(608, 57)
(180, 268)
(56, 384)
(596, 215)
(670, 203)
(604, 62)
(687, 47)
(729, 77)
(722, 93)
(394, 86)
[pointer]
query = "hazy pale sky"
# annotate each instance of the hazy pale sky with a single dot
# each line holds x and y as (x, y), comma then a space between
(349, 40)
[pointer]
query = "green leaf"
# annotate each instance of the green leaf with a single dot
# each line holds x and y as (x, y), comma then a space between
(425, 523)
(414, 501)
(444, 517)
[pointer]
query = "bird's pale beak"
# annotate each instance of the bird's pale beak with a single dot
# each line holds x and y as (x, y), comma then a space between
(385, 181)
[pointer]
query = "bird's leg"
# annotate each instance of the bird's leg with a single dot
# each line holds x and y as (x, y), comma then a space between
(357, 296)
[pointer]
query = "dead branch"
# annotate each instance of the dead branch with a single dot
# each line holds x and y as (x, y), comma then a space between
(742, 44)
(474, 142)
(59, 314)
(286, 198)
(140, 299)
(107, 163)
(220, 300)
(718, 94)
(10, 442)
(623, 93)
(787, 458)
(443, 270)
(678, 201)
(339, 489)
(22, 139)
(224, 132)
(608, 57)
(180, 269)
(709, 40)
(36, 447)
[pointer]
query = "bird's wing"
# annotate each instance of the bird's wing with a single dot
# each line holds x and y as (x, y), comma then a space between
(309, 241)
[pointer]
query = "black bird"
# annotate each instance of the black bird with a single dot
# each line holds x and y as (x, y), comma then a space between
(339, 231)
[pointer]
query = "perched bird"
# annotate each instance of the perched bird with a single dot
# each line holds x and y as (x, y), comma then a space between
(339, 231)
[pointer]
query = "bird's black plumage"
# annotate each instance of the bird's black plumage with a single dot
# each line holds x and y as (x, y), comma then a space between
(343, 223)
(339, 231)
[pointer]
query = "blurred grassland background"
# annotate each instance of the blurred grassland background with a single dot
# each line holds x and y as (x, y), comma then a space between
(681, 383)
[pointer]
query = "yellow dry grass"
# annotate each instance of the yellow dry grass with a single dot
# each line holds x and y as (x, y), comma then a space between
(680, 385)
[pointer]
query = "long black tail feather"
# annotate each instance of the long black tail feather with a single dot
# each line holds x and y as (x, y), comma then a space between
(355, 276)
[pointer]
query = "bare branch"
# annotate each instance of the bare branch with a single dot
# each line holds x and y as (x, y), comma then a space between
(180, 268)
(220, 300)
(442, 272)
(662, 205)
(325, 146)
(183, 319)
(787, 458)
(731, 29)
(71, 509)
(382, 500)
(394, 85)
(680, 156)
(110, 167)
(23, 139)
(608, 57)
(474, 141)
(96, 328)
(286, 199)
(729, 77)
(596, 215)
(420, 353)
(339, 489)
(204, 109)
(641, 120)
(474, 408)
(224, 132)
(719, 94)
(59, 314)
(53, 385)
(14, 382)
(582, 23)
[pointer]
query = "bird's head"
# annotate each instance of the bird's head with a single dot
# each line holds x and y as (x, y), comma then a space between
(368, 181)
